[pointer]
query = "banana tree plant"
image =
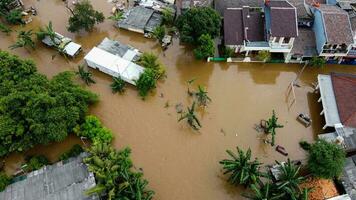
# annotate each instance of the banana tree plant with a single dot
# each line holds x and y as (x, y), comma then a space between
(85, 75)
(118, 85)
(271, 126)
(24, 39)
(191, 118)
(202, 96)
(266, 191)
(290, 179)
(47, 31)
(240, 167)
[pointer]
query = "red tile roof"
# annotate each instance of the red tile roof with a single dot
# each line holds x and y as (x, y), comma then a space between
(345, 94)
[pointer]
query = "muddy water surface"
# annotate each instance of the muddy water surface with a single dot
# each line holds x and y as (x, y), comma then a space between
(178, 162)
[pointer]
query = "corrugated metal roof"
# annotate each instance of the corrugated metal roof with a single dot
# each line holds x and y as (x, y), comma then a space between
(60, 181)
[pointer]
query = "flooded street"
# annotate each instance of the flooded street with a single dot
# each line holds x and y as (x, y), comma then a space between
(179, 163)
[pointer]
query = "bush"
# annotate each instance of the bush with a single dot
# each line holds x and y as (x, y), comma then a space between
(5, 29)
(73, 152)
(198, 21)
(14, 17)
(206, 47)
(317, 62)
(305, 145)
(167, 16)
(118, 85)
(94, 130)
(35, 162)
(146, 82)
(264, 56)
(84, 17)
(326, 160)
(35, 110)
(4, 181)
(227, 52)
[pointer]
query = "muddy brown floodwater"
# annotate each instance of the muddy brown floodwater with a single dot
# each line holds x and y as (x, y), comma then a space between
(178, 162)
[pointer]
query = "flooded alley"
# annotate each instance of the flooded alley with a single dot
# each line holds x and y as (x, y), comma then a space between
(179, 163)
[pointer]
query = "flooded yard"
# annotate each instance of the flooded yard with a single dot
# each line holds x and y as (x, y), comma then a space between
(178, 162)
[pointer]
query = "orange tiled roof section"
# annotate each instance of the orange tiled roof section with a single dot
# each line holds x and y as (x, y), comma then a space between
(322, 188)
(345, 94)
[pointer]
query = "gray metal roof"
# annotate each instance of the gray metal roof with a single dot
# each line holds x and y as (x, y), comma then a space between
(140, 19)
(61, 181)
(115, 47)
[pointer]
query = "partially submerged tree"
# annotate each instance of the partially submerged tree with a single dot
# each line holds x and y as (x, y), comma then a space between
(93, 129)
(206, 47)
(196, 22)
(117, 16)
(168, 16)
(115, 175)
(84, 17)
(47, 31)
(241, 169)
(290, 179)
(158, 33)
(118, 85)
(35, 162)
(35, 110)
(326, 160)
(202, 96)
(5, 29)
(14, 17)
(85, 75)
(264, 191)
(191, 117)
(24, 39)
(146, 82)
(150, 60)
(272, 125)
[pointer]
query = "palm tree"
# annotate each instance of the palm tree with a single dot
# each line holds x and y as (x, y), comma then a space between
(271, 126)
(202, 96)
(242, 170)
(24, 39)
(85, 75)
(266, 191)
(150, 60)
(5, 29)
(191, 117)
(118, 85)
(290, 179)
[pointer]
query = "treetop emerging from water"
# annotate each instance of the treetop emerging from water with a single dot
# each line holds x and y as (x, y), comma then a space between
(35, 110)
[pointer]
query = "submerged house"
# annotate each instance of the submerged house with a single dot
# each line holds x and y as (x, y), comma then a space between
(115, 59)
(140, 19)
(14, 4)
(64, 180)
(63, 44)
(338, 98)
(333, 33)
(253, 29)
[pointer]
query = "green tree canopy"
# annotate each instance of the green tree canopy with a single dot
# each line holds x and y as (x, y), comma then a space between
(146, 82)
(94, 130)
(198, 21)
(206, 47)
(84, 17)
(35, 110)
(326, 160)
(4, 181)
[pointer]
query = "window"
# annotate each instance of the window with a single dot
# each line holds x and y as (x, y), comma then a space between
(286, 40)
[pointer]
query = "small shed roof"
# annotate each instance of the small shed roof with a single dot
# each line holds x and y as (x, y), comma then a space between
(64, 180)
(140, 19)
(331, 113)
